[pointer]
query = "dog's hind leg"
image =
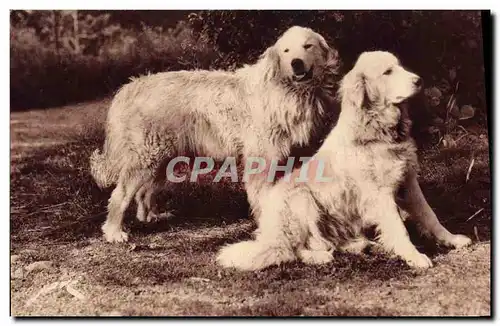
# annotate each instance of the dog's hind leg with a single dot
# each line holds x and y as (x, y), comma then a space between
(147, 196)
(272, 245)
(151, 198)
(141, 201)
(159, 183)
(393, 235)
(420, 211)
(317, 250)
(127, 187)
(146, 199)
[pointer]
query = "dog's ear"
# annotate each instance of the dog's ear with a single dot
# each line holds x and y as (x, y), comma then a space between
(331, 55)
(271, 61)
(352, 89)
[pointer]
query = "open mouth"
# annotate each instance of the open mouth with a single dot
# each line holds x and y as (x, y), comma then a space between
(303, 76)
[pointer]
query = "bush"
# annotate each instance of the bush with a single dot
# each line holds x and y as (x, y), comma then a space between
(444, 47)
(42, 76)
(431, 42)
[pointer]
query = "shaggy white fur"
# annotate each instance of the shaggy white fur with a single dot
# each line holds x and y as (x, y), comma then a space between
(260, 110)
(368, 155)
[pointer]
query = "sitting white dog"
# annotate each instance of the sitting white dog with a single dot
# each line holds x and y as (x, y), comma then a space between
(367, 157)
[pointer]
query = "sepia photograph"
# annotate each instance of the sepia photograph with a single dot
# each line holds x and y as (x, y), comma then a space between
(257, 163)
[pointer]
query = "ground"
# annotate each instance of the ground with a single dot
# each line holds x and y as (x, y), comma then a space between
(60, 264)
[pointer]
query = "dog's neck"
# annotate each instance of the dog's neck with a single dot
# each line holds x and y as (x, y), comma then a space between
(380, 122)
(315, 97)
(319, 92)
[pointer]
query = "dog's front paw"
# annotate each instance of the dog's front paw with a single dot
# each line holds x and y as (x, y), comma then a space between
(457, 241)
(419, 260)
(113, 234)
(315, 257)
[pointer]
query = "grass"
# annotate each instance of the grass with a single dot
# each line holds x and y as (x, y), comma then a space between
(168, 267)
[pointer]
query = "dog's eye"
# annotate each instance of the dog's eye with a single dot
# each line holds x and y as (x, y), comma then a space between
(307, 46)
(286, 50)
(388, 71)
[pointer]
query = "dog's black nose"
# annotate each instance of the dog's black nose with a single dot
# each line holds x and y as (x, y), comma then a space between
(418, 82)
(298, 66)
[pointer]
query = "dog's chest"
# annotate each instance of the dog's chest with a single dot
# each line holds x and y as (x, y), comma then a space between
(389, 163)
(294, 124)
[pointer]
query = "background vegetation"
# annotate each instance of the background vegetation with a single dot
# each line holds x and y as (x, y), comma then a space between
(60, 57)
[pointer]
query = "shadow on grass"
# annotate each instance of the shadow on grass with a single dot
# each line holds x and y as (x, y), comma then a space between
(454, 198)
(178, 259)
(54, 195)
(54, 198)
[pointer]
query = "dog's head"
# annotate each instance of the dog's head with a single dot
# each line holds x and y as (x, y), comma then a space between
(300, 55)
(377, 88)
(379, 79)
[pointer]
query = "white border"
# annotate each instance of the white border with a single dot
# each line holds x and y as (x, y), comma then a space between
(256, 4)
(194, 5)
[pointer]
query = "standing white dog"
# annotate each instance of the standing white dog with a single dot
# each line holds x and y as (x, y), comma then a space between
(260, 110)
(367, 155)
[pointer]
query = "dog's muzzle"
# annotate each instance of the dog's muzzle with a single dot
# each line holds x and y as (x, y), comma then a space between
(299, 70)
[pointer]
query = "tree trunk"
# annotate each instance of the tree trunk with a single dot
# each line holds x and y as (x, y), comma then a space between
(55, 14)
(75, 31)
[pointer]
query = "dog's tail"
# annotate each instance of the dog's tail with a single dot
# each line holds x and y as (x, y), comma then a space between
(101, 169)
(254, 255)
